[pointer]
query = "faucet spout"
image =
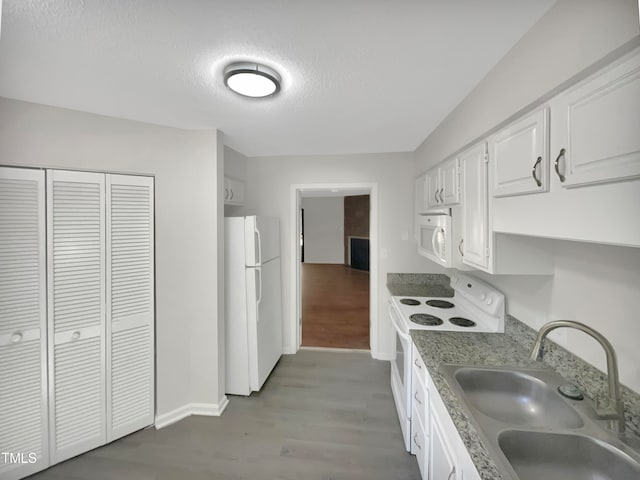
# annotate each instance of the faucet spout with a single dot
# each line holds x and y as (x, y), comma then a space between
(614, 410)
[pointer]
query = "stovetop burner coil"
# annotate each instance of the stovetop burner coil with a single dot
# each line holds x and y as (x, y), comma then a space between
(425, 319)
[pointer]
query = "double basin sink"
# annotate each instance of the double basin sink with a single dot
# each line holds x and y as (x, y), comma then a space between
(535, 433)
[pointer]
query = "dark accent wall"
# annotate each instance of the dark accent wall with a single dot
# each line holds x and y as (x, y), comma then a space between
(356, 220)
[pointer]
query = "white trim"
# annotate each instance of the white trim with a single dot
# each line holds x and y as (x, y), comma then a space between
(294, 301)
(180, 413)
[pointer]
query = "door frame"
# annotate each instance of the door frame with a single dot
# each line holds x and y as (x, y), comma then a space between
(295, 294)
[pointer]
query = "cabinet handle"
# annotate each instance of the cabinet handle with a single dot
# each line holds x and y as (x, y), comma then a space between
(435, 196)
(226, 193)
(415, 440)
(415, 395)
(460, 247)
(231, 192)
(16, 337)
(415, 362)
(453, 472)
(533, 171)
(441, 196)
(557, 165)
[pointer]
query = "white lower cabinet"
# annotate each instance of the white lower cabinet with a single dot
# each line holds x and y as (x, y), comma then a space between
(441, 465)
(435, 441)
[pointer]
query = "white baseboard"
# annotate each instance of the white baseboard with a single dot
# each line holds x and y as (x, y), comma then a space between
(337, 350)
(207, 409)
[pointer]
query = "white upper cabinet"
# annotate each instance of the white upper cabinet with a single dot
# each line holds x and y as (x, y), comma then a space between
(520, 155)
(596, 127)
(233, 191)
(439, 187)
(421, 194)
(594, 182)
(450, 182)
(474, 244)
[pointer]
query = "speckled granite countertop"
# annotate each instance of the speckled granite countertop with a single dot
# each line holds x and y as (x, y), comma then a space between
(419, 285)
(504, 349)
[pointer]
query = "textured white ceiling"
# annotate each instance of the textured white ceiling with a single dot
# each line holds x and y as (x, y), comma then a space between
(358, 76)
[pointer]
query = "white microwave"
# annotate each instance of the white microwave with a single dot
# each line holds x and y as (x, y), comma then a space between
(435, 238)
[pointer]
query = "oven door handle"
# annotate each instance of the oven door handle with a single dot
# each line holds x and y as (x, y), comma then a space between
(392, 314)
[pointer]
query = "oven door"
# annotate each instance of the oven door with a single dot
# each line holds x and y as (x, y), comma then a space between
(434, 239)
(401, 376)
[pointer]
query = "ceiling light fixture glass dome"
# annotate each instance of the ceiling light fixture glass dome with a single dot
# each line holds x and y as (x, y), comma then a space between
(252, 79)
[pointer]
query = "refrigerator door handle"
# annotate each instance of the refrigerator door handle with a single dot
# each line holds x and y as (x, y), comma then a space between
(258, 247)
(259, 286)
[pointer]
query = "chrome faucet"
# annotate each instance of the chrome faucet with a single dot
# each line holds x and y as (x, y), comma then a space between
(614, 409)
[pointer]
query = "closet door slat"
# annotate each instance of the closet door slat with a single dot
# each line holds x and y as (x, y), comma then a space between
(23, 374)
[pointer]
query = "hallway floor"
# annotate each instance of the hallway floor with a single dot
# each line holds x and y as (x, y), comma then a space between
(335, 306)
(320, 416)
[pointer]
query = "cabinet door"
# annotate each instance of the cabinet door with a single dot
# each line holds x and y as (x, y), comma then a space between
(23, 374)
(421, 194)
(130, 304)
(76, 313)
(475, 247)
(520, 156)
(450, 182)
(236, 192)
(597, 126)
(441, 464)
(433, 188)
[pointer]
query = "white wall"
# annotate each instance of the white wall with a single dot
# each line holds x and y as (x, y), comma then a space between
(185, 165)
(573, 35)
(271, 179)
(323, 229)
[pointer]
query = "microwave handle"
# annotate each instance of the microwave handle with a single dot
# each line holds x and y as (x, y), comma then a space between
(436, 252)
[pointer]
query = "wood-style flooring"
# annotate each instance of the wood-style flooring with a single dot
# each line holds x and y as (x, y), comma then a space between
(320, 416)
(335, 306)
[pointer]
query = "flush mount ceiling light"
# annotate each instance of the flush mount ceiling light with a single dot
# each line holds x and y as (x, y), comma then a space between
(252, 79)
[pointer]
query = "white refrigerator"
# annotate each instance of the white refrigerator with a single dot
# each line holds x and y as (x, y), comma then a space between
(253, 301)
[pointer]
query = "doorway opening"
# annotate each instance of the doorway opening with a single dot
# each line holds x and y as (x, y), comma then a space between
(335, 300)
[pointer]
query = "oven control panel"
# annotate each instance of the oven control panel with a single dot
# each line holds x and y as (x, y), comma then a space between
(481, 294)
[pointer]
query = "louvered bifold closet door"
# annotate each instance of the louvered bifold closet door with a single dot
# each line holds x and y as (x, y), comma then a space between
(130, 304)
(23, 347)
(76, 274)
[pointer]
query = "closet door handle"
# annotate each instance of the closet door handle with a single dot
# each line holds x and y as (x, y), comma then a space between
(16, 337)
(557, 165)
(75, 335)
(533, 171)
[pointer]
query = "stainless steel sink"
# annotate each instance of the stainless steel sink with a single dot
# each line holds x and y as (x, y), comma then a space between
(516, 398)
(532, 432)
(537, 455)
